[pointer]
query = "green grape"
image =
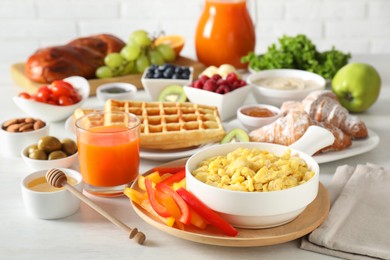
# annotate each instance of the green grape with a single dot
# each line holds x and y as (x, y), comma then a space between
(142, 63)
(128, 68)
(131, 52)
(113, 60)
(103, 72)
(155, 57)
(167, 52)
(141, 38)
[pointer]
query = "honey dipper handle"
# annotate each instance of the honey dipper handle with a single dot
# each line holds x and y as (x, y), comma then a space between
(133, 233)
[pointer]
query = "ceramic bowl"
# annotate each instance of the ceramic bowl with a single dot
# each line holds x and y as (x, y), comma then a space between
(53, 113)
(13, 143)
(253, 122)
(253, 209)
(53, 204)
(276, 97)
(34, 164)
(227, 104)
(153, 87)
(129, 93)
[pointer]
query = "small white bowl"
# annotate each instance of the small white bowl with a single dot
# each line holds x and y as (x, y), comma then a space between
(13, 143)
(153, 87)
(227, 104)
(53, 113)
(253, 209)
(129, 94)
(51, 205)
(252, 122)
(276, 97)
(34, 164)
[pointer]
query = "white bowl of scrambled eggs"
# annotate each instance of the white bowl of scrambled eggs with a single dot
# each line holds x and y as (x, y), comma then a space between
(253, 185)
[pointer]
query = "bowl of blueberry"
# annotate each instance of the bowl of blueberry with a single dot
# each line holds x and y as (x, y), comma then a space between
(165, 82)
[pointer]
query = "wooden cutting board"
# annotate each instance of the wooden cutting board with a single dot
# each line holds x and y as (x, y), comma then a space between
(19, 76)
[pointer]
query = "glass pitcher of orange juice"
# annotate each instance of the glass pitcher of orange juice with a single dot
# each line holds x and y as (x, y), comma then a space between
(225, 33)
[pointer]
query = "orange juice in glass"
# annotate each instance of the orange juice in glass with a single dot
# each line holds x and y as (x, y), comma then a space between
(224, 33)
(108, 150)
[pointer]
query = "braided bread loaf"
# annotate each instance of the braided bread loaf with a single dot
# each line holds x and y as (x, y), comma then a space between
(80, 57)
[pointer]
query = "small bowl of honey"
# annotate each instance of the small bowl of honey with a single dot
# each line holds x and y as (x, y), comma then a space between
(47, 202)
(257, 115)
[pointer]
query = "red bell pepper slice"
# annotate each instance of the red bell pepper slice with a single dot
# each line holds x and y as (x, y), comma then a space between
(160, 209)
(163, 170)
(178, 176)
(185, 216)
(209, 215)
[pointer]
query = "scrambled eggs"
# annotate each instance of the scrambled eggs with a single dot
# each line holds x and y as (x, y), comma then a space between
(253, 170)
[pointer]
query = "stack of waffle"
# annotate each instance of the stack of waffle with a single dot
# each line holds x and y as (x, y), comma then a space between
(169, 125)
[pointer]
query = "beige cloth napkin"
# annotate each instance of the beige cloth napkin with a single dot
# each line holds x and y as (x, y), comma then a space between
(358, 224)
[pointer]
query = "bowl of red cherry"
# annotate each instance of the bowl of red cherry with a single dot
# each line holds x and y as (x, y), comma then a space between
(227, 93)
(56, 101)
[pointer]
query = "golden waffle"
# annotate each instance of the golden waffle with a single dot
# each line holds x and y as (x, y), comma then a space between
(169, 125)
(80, 112)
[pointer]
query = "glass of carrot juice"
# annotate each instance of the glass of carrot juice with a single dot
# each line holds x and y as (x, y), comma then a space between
(108, 150)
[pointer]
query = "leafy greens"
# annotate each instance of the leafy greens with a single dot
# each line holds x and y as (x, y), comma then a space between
(298, 53)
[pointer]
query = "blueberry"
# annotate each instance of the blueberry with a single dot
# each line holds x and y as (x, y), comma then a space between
(158, 75)
(186, 70)
(149, 75)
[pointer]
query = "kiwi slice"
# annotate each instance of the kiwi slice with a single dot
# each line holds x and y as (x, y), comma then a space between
(172, 93)
(235, 135)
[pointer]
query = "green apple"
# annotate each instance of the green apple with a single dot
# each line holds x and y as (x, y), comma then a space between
(357, 85)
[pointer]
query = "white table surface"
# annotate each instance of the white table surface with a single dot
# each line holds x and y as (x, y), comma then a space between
(88, 235)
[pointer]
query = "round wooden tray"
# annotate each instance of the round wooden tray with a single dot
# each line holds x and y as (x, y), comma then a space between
(306, 222)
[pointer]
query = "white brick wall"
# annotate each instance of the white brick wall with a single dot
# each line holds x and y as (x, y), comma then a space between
(356, 26)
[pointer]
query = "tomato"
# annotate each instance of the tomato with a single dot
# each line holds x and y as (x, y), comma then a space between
(62, 84)
(59, 89)
(65, 101)
(24, 95)
(43, 94)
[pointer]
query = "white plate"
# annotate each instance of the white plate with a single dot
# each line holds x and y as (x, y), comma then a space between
(151, 154)
(69, 126)
(159, 155)
(357, 147)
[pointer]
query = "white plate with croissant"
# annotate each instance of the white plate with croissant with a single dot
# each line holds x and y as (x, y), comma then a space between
(320, 108)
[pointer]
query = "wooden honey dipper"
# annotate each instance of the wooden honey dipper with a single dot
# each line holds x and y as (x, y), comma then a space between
(58, 179)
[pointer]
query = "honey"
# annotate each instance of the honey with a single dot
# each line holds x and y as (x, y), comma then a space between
(41, 185)
(258, 112)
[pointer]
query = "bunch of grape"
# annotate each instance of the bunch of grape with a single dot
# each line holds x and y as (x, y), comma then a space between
(138, 54)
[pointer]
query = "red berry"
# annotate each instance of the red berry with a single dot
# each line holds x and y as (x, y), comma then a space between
(242, 83)
(231, 77)
(226, 89)
(198, 84)
(222, 82)
(236, 84)
(220, 90)
(216, 77)
(204, 78)
(210, 85)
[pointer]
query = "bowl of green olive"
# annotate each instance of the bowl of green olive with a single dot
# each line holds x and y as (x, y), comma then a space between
(50, 152)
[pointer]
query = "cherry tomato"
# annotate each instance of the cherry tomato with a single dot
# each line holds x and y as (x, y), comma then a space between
(62, 83)
(24, 95)
(43, 94)
(59, 89)
(65, 101)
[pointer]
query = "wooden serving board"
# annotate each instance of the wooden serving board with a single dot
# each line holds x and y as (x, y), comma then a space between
(314, 214)
(19, 76)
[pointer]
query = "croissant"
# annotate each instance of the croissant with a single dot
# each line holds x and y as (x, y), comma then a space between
(323, 106)
(289, 128)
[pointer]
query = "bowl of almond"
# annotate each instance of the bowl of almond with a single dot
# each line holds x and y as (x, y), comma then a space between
(17, 133)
